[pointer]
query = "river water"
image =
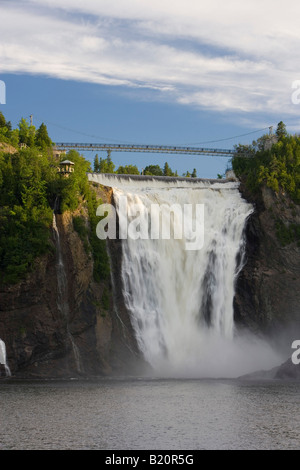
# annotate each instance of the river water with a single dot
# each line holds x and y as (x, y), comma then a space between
(156, 414)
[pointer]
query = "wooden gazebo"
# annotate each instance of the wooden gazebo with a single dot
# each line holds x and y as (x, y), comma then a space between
(66, 168)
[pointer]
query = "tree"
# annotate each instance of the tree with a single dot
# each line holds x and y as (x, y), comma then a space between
(154, 170)
(277, 167)
(106, 165)
(42, 138)
(241, 150)
(194, 174)
(5, 129)
(102, 165)
(167, 170)
(96, 164)
(128, 170)
(281, 130)
(110, 166)
(26, 133)
(2, 120)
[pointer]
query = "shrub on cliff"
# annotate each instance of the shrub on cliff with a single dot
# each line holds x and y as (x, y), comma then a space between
(277, 165)
(25, 212)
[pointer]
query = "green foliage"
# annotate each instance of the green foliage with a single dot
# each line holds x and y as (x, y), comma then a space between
(25, 213)
(128, 170)
(23, 237)
(75, 188)
(7, 135)
(277, 166)
(167, 170)
(96, 164)
(100, 256)
(281, 130)
(29, 185)
(106, 165)
(287, 234)
(154, 170)
(82, 230)
(42, 139)
(2, 120)
(80, 227)
(26, 133)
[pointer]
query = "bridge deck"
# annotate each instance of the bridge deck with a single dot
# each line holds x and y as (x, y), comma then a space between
(146, 148)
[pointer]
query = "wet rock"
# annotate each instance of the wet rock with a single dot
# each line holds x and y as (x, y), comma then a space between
(288, 370)
(40, 340)
(268, 288)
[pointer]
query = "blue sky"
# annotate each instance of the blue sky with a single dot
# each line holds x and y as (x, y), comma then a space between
(162, 72)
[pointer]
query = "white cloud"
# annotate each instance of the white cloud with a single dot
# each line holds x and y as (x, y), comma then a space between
(227, 56)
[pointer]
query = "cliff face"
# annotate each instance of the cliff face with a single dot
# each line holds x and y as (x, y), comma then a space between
(268, 288)
(59, 326)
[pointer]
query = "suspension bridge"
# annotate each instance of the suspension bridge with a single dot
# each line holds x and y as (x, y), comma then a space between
(61, 146)
(169, 149)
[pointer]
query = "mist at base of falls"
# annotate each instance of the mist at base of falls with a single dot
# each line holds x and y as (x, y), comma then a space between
(181, 300)
(217, 357)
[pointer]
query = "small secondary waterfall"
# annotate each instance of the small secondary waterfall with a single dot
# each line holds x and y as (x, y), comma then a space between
(3, 358)
(62, 286)
(180, 295)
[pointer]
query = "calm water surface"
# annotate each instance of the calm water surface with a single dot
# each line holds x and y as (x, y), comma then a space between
(149, 414)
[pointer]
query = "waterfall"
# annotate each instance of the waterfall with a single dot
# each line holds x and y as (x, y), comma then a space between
(180, 298)
(62, 290)
(3, 358)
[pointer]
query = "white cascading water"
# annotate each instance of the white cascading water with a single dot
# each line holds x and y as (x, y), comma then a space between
(3, 358)
(181, 301)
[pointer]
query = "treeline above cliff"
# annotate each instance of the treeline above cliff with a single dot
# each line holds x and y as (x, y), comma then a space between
(30, 188)
(106, 165)
(274, 160)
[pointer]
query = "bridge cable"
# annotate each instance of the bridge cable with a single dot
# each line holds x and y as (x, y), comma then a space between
(228, 138)
(132, 143)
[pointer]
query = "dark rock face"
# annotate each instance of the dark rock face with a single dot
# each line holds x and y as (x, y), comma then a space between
(43, 341)
(288, 370)
(285, 371)
(268, 288)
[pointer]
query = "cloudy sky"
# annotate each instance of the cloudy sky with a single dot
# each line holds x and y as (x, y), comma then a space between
(159, 71)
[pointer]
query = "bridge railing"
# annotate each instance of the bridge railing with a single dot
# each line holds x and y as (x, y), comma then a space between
(146, 148)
